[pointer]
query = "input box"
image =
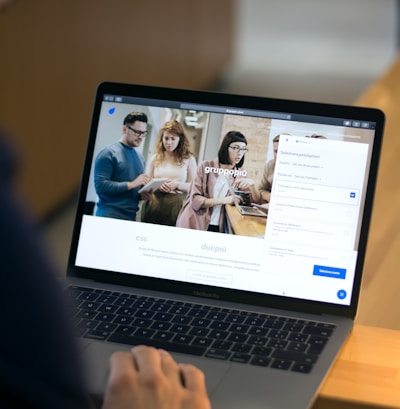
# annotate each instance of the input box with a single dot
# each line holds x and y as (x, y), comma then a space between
(209, 276)
(315, 192)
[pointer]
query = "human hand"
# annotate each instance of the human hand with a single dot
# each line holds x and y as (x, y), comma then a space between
(147, 378)
(232, 199)
(168, 186)
(146, 194)
(141, 180)
(244, 184)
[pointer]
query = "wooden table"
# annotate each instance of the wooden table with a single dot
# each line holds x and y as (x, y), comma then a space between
(253, 226)
(367, 373)
(380, 301)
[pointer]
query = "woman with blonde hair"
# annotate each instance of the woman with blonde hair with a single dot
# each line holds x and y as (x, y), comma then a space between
(173, 160)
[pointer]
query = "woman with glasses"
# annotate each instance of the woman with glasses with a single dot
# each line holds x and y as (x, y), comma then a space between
(173, 160)
(212, 187)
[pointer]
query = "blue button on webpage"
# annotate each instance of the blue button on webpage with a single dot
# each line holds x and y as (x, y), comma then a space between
(332, 272)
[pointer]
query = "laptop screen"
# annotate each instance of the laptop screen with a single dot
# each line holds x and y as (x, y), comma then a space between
(305, 167)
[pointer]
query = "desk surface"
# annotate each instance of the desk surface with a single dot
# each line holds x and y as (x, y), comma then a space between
(379, 299)
(367, 373)
(253, 226)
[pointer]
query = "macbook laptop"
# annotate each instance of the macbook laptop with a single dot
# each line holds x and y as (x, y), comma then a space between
(246, 210)
(264, 316)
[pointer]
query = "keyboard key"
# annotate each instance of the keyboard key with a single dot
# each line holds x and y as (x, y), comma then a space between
(183, 338)
(295, 356)
(144, 332)
(200, 322)
(238, 319)
(243, 348)
(202, 342)
(218, 354)
(141, 322)
(216, 334)
(300, 367)
(160, 325)
(259, 341)
(106, 326)
(222, 345)
(260, 361)
(200, 332)
(96, 334)
(258, 331)
(277, 343)
(238, 337)
(293, 327)
(220, 325)
(297, 346)
(239, 328)
(297, 337)
(121, 319)
(180, 329)
(317, 344)
(315, 330)
(90, 305)
(129, 312)
(241, 358)
(163, 336)
(262, 351)
(125, 329)
(281, 364)
(275, 324)
(197, 312)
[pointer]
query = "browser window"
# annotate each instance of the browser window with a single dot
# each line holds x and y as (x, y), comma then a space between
(305, 248)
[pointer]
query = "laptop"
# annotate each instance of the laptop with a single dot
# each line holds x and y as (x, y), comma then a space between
(263, 316)
(244, 209)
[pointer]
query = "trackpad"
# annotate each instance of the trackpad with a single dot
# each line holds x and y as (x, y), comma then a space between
(96, 358)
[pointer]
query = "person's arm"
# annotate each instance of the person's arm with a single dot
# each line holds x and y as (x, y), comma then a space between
(199, 197)
(265, 186)
(147, 378)
(219, 201)
(248, 185)
(191, 173)
(103, 169)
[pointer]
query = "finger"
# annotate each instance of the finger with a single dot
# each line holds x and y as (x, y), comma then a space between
(121, 368)
(169, 366)
(147, 359)
(121, 361)
(193, 378)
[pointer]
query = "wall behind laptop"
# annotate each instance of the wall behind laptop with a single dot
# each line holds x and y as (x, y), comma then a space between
(54, 53)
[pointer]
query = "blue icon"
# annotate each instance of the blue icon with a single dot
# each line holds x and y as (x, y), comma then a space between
(352, 195)
(111, 110)
(341, 294)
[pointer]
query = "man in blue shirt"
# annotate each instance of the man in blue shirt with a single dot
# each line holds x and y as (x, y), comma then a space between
(119, 171)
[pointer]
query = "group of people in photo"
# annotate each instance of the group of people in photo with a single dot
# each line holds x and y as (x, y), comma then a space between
(193, 194)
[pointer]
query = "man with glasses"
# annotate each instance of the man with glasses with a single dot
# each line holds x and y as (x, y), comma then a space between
(119, 171)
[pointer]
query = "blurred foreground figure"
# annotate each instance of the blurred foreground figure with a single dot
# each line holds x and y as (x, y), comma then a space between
(39, 360)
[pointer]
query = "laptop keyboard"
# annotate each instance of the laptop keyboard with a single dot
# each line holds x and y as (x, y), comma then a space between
(227, 334)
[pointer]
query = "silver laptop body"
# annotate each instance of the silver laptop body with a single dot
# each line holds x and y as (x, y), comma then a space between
(306, 268)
